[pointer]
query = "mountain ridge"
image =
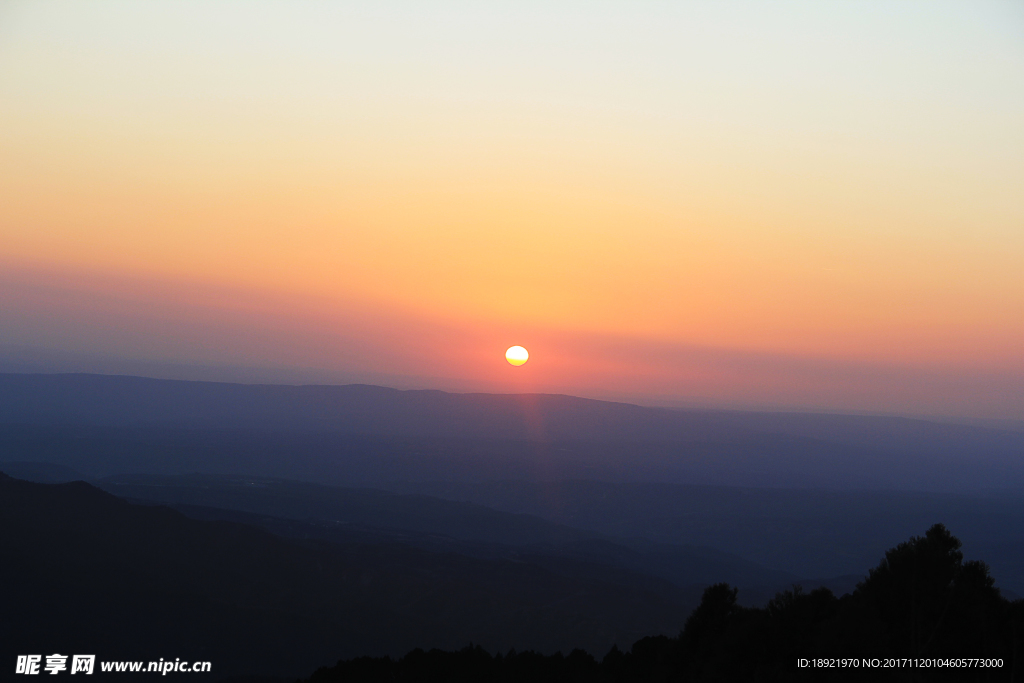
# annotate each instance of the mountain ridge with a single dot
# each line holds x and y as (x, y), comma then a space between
(83, 398)
(363, 435)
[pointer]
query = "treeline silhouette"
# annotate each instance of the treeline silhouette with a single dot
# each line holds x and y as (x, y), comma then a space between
(923, 602)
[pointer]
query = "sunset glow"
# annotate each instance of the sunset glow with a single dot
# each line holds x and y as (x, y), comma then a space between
(811, 206)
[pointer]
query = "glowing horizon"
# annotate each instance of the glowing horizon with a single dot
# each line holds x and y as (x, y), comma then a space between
(791, 205)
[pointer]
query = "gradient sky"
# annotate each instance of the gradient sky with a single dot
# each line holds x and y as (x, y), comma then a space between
(787, 205)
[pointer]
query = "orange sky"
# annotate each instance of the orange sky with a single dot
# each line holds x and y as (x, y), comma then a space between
(798, 207)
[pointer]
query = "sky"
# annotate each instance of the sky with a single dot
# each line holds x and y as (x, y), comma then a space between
(794, 205)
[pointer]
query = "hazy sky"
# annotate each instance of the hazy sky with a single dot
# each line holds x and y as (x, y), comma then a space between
(812, 205)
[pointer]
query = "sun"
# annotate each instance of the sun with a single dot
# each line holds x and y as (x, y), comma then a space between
(517, 355)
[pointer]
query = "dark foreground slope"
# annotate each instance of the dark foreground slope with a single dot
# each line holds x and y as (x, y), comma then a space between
(104, 425)
(86, 572)
(923, 614)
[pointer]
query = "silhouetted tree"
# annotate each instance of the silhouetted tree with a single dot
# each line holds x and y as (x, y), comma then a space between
(932, 603)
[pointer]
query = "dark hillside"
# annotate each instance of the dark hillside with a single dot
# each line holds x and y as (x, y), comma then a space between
(84, 571)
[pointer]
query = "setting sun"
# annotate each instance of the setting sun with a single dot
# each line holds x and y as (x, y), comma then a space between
(517, 355)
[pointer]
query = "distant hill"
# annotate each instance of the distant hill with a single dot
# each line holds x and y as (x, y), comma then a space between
(103, 425)
(809, 532)
(86, 572)
(114, 400)
(370, 516)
